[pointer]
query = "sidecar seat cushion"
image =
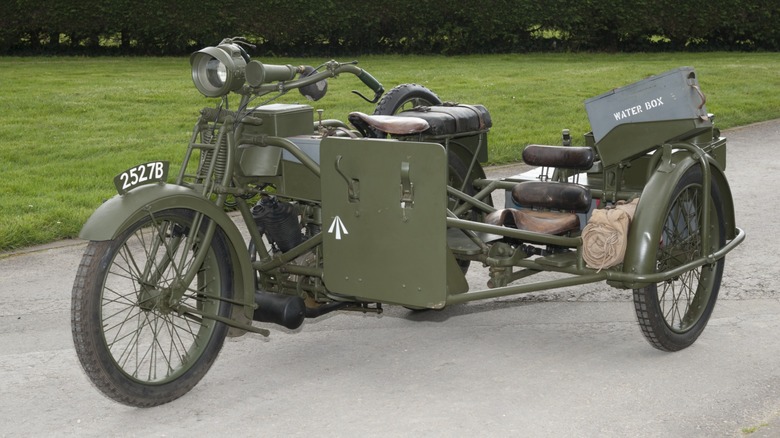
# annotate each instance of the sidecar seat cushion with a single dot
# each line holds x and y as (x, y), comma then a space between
(390, 124)
(552, 195)
(545, 222)
(567, 157)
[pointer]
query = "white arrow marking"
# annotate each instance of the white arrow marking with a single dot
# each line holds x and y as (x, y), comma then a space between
(338, 227)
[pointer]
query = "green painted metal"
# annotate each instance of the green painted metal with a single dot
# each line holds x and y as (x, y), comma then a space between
(384, 227)
(346, 222)
(631, 280)
(119, 212)
(526, 288)
(634, 119)
(381, 205)
(646, 227)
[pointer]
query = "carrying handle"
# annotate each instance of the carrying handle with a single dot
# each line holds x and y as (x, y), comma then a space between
(353, 185)
(695, 86)
(407, 187)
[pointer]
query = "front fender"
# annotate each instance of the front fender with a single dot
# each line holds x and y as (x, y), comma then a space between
(646, 227)
(121, 211)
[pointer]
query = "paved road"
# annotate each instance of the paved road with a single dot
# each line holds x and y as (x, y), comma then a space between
(567, 363)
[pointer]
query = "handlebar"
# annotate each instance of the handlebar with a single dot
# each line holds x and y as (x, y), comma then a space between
(218, 71)
(260, 75)
(371, 83)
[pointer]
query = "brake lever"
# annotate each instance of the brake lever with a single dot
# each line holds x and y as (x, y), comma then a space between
(377, 96)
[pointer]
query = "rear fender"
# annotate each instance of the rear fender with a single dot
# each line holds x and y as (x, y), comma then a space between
(466, 156)
(121, 211)
(646, 227)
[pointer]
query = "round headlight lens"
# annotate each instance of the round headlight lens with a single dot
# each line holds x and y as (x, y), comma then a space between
(216, 71)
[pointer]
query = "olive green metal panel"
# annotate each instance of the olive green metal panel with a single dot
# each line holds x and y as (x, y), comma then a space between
(279, 120)
(384, 220)
(259, 160)
(298, 182)
(283, 120)
(630, 140)
(631, 120)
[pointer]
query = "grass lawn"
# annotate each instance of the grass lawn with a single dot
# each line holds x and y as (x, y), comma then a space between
(69, 125)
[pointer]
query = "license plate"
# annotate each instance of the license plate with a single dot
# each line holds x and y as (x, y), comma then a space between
(147, 173)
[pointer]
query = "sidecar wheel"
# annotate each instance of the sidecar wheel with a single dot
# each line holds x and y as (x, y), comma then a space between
(672, 314)
(135, 343)
(405, 97)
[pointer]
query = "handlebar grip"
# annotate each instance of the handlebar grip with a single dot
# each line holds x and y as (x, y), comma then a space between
(371, 82)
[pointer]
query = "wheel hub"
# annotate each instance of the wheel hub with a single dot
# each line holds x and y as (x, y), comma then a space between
(152, 298)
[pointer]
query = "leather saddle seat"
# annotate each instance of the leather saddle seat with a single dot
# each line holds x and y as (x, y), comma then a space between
(393, 125)
(548, 207)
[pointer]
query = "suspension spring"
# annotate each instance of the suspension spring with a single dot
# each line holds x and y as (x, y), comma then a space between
(209, 136)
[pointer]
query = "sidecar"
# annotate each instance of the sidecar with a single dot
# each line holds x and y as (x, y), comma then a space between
(395, 232)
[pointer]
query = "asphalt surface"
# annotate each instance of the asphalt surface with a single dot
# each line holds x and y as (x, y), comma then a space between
(570, 362)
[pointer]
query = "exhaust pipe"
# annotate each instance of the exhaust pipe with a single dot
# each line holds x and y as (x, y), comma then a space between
(285, 310)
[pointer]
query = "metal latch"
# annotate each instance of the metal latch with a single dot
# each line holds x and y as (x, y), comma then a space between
(407, 187)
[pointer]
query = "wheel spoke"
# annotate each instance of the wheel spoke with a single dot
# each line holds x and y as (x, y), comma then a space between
(674, 312)
(681, 244)
(142, 333)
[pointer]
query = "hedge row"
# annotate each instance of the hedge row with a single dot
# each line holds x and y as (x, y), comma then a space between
(295, 27)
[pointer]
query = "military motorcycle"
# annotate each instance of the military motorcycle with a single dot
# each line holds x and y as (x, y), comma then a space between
(390, 208)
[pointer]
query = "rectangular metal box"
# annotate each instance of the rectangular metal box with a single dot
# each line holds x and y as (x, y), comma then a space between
(634, 119)
(279, 120)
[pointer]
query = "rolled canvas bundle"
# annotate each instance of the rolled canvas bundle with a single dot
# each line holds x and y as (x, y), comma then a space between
(605, 236)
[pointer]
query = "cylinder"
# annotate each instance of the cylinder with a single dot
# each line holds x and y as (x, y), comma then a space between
(285, 310)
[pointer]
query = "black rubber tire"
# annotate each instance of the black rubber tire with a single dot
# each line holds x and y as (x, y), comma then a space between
(404, 97)
(672, 314)
(132, 343)
(456, 175)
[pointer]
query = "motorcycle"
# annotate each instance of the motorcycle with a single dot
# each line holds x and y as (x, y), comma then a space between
(391, 208)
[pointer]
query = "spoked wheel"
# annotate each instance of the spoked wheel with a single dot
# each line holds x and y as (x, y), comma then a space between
(143, 337)
(672, 314)
(405, 97)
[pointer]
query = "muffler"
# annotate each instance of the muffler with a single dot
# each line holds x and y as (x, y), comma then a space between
(285, 310)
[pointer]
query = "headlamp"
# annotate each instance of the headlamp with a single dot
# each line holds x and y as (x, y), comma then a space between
(216, 71)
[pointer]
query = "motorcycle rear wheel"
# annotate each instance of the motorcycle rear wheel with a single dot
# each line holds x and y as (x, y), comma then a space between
(408, 96)
(672, 314)
(136, 345)
(405, 97)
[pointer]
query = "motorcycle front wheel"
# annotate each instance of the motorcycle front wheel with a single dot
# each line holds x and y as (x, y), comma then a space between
(137, 342)
(673, 313)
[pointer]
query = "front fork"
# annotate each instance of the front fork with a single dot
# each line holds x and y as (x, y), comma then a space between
(169, 240)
